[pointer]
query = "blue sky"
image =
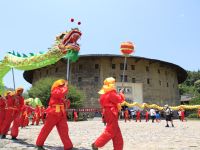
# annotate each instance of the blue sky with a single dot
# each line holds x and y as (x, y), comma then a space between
(167, 30)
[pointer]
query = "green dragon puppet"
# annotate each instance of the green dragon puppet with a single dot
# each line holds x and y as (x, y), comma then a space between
(65, 46)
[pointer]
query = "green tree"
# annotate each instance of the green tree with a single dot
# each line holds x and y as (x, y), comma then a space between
(197, 86)
(42, 89)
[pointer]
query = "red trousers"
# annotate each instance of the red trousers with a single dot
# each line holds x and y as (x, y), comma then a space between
(112, 131)
(11, 116)
(59, 120)
(138, 118)
(2, 117)
(26, 121)
(36, 119)
(147, 118)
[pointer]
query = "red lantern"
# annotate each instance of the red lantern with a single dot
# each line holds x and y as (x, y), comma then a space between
(127, 48)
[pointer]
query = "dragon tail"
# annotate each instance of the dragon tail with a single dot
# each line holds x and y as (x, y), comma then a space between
(3, 71)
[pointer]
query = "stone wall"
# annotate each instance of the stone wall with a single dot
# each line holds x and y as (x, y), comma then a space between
(160, 83)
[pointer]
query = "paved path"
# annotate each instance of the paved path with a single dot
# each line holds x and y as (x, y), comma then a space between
(137, 136)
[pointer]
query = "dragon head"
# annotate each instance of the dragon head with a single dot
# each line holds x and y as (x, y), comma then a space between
(68, 40)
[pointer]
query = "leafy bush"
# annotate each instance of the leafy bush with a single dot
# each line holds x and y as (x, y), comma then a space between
(193, 115)
(42, 90)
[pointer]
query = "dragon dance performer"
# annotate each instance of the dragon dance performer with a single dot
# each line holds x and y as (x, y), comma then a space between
(126, 115)
(109, 101)
(43, 114)
(56, 116)
(2, 111)
(26, 111)
(15, 102)
(37, 115)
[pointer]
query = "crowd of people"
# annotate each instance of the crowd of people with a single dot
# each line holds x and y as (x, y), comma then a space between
(154, 115)
(17, 112)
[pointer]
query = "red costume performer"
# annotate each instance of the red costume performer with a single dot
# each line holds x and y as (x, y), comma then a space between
(56, 116)
(26, 111)
(43, 114)
(126, 115)
(75, 115)
(147, 116)
(2, 111)
(14, 103)
(36, 116)
(182, 115)
(109, 102)
(138, 118)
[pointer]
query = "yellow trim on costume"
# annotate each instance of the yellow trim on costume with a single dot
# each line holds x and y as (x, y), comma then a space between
(59, 108)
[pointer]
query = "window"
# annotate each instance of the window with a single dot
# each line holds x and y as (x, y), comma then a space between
(160, 82)
(167, 84)
(80, 67)
(96, 66)
(147, 69)
(79, 79)
(132, 67)
(159, 71)
(113, 66)
(122, 66)
(133, 80)
(125, 78)
(56, 70)
(96, 79)
(148, 81)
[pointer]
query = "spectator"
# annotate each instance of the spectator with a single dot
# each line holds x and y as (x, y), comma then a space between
(169, 115)
(152, 114)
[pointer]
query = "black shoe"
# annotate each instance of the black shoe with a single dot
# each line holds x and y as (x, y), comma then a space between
(167, 125)
(14, 138)
(41, 148)
(3, 136)
(172, 125)
(94, 147)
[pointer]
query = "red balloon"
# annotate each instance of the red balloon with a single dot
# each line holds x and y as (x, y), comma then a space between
(72, 19)
(79, 23)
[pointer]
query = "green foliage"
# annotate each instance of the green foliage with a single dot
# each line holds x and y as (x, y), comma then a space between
(193, 115)
(192, 84)
(25, 95)
(42, 89)
(197, 85)
(195, 101)
(76, 97)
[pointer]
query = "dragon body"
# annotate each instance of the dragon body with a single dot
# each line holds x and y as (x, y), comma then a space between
(65, 46)
(154, 106)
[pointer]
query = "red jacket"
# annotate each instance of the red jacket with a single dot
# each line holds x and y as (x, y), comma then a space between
(58, 96)
(2, 103)
(18, 102)
(111, 99)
